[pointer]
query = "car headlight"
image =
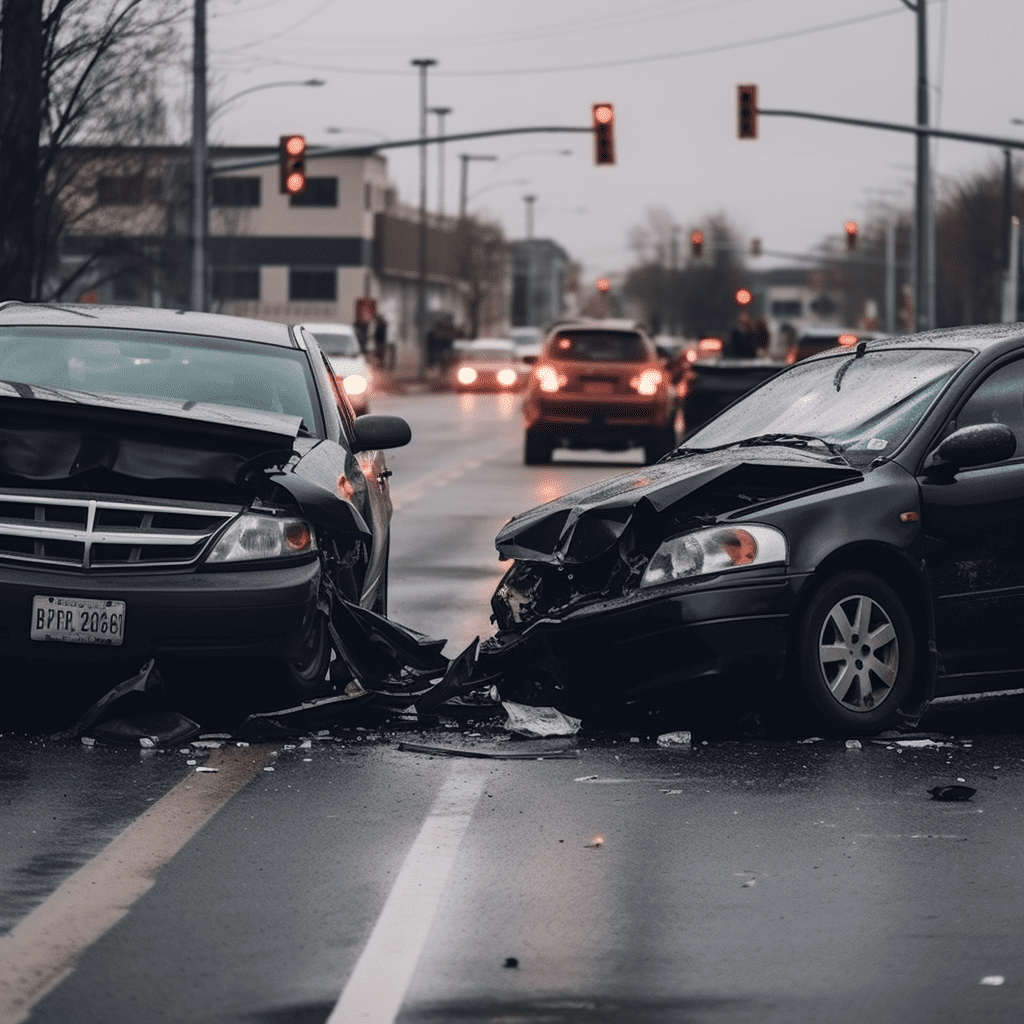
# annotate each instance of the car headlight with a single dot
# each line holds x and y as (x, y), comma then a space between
(252, 536)
(507, 377)
(466, 375)
(356, 384)
(714, 550)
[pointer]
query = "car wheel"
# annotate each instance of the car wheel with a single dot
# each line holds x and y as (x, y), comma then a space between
(537, 449)
(856, 653)
(305, 676)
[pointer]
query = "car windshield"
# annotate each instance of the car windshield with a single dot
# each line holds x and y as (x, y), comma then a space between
(863, 406)
(154, 364)
(599, 347)
(335, 344)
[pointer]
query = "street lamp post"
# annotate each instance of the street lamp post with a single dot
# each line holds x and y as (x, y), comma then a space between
(421, 281)
(441, 112)
(464, 180)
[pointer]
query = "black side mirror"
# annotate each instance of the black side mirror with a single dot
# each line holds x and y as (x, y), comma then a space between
(376, 431)
(977, 445)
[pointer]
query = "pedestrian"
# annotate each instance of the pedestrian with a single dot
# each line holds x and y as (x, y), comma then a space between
(380, 341)
(742, 344)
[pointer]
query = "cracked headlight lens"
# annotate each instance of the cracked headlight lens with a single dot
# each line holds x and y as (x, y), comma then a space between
(714, 550)
(252, 536)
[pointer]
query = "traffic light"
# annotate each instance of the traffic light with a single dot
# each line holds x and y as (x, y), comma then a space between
(292, 155)
(851, 234)
(604, 133)
(746, 125)
(603, 284)
(744, 296)
(696, 243)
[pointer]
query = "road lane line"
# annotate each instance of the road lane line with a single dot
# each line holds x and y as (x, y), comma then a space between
(44, 946)
(378, 984)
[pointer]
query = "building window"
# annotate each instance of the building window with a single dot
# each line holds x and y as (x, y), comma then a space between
(319, 192)
(319, 285)
(236, 191)
(367, 196)
(236, 283)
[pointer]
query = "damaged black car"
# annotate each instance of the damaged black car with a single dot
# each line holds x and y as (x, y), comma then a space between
(183, 485)
(842, 540)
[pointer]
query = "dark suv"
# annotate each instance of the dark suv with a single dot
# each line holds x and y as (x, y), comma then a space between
(598, 385)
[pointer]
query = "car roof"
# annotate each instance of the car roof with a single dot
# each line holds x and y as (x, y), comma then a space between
(490, 343)
(330, 328)
(144, 318)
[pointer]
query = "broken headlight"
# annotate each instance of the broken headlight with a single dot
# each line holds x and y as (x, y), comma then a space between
(252, 537)
(715, 550)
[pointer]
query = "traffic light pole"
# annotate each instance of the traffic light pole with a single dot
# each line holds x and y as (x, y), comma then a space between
(197, 281)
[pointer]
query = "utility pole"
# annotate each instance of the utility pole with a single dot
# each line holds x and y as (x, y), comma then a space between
(924, 234)
(441, 113)
(421, 282)
(197, 284)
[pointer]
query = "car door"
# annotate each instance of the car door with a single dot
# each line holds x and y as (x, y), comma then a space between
(973, 548)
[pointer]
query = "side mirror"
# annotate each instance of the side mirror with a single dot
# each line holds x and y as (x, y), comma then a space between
(971, 446)
(376, 431)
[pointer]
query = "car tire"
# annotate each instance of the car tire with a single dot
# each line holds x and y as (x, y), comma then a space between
(856, 653)
(305, 676)
(537, 449)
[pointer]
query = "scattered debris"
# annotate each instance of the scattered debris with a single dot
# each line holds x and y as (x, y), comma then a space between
(951, 793)
(596, 843)
(203, 768)
(585, 778)
(992, 979)
(545, 753)
(682, 738)
(813, 739)
(671, 792)
(510, 961)
(530, 721)
(853, 745)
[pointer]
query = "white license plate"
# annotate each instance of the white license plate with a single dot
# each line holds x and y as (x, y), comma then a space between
(77, 620)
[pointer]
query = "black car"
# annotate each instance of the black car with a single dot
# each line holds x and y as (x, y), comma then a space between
(845, 535)
(183, 485)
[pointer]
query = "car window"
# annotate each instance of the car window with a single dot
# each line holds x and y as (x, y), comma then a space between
(337, 344)
(999, 398)
(156, 364)
(599, 347)
(867, 405)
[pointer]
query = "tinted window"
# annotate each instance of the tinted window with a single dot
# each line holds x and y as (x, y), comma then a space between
(177, 366)
(319, 192)
(599, 347)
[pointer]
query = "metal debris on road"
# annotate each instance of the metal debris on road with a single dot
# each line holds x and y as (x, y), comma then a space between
(682, 738)
(539, 722)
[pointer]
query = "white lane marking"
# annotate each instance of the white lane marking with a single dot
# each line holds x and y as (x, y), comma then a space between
(378, 984)
(44, 947)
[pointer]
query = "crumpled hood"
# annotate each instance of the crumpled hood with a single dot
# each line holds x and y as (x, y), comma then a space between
(584, 524)
(55, 435)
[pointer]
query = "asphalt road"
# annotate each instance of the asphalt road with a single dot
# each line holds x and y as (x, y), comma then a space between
(339, 877)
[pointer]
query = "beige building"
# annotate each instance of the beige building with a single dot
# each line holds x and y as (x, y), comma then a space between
(125, 238)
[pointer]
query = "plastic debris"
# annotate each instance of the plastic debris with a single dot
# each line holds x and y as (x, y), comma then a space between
(992, 979)
(682, 738)
(921, 743)
(532, 753)
(203, 768)
(952, 793)
(596, 843)
(585, 778)
(530, 721)
(812, 739)
(853, 745)
(88, 741)
(671, 792)
(511, 962)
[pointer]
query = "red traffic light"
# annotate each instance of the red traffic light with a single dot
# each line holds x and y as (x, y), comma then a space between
(603, 284)
(744, 296)
(850, 227)
(292, 157)
(746, 125)
(696, 243)
(604, 133)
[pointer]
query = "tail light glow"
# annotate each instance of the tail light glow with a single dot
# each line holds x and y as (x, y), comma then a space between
(647, 382)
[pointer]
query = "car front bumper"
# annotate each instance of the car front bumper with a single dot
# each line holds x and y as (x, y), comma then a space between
(687, 640)
(248, 612)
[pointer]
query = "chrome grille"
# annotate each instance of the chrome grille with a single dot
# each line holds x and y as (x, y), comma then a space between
(86, 533)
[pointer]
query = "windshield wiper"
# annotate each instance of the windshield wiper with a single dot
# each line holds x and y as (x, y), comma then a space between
(781, 439)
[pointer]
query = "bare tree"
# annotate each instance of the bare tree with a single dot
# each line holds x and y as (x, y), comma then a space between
(481, 267)
(85, 73)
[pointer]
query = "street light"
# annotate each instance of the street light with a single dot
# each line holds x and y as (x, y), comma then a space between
(464, 179)
(441, 114)
(219, 108)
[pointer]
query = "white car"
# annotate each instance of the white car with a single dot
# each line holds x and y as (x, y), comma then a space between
(341, 346)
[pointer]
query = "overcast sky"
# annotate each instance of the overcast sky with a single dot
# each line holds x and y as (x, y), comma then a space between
(670, 67)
